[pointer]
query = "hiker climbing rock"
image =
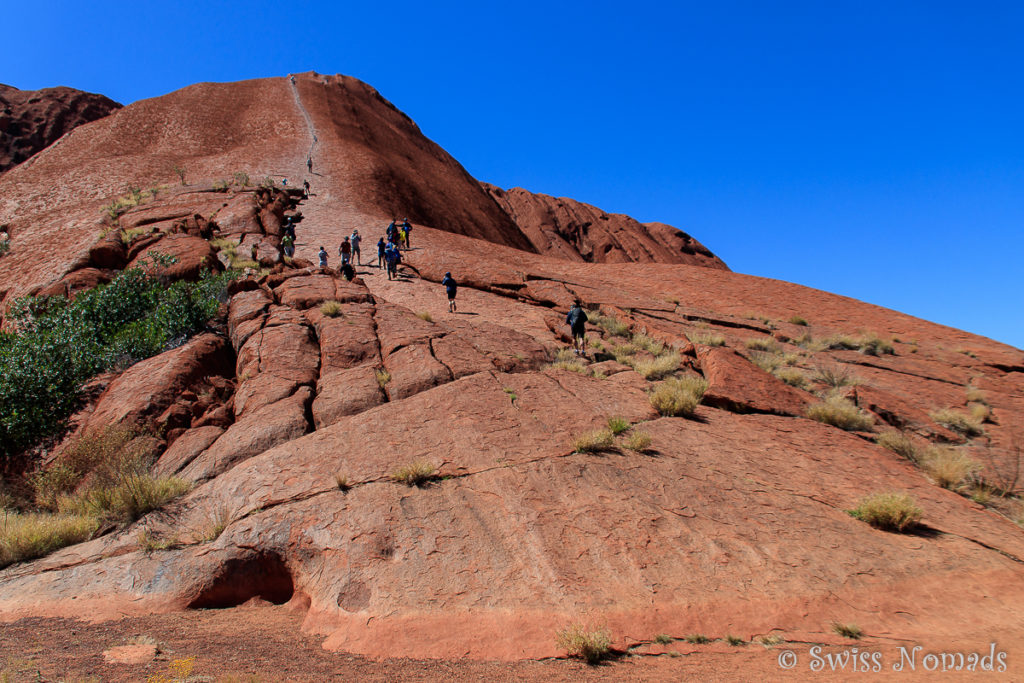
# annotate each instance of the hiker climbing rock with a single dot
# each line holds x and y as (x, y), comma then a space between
(347, 271)
(345, 250)
(356, 239)
(288, 244)
(577, 320)
(323, 257)
(451, 288)
(406, 229)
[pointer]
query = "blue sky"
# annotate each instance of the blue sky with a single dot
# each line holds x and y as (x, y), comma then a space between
(873, 149)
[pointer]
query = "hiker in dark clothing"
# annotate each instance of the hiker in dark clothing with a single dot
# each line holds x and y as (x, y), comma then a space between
(305, 189)
(322, 255)
(577, 320)
(392, 257)
(381, 248)
(392, 232)
(451, 287)
(347, 271)
(309, 164)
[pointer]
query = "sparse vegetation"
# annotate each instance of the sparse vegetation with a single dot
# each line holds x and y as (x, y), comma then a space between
(771, 639)
(706, 338)
(131, 495)
(653, 346)
(948, 467)
(835, 376)
(798, 320)
(734, 640)
(763, 344)
(638, 441)
(150, 542)
(425, 315)
(976, 395)
(769, 362)
(28, 535)
(180, 172)
(214, 525)
(590, 646)
(839, 412)
(899, 443)
(663, 639)
(980, 412)
(617, 425)
(342, 482)
(657, 367)
(888, 511)
(242, 179)
(416, 473)
(679, 397)
(383, 377)
(792, 377)
(594, 441)
(610, 324)
(968, 425)
(697, 639)
(847, 630)
(332, 309)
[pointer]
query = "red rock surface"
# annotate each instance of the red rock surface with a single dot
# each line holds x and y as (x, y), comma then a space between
(734, 522)
(31, 120)
(572, 230)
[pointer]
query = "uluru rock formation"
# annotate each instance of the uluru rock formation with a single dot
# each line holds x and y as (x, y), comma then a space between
(31, 120)
(294, 419)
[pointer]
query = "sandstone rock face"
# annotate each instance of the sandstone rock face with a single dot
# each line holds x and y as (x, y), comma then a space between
(31, 120)
(732, 522)
(192, 254)
(579, 232)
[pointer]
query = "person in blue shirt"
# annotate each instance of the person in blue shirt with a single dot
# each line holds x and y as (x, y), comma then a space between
(381, 249)
(451, 287)
(392, 257)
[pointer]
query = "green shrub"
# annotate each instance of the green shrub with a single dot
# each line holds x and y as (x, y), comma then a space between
(839, 412)
(679, 397)
(590, 646)
(594, 441)
(888, 511)
(58, 344)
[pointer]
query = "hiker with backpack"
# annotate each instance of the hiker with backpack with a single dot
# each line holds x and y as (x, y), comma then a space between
(451, 288)
(406, 230)
(577, 320)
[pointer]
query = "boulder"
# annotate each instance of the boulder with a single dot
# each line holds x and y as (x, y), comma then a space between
(239, 216)
(193, 254)
(305, 291)
(736, 384)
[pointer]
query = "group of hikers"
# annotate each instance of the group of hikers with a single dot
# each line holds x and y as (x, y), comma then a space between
(389, 253)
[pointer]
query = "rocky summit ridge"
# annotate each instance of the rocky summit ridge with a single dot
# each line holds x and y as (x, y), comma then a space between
(298, 415)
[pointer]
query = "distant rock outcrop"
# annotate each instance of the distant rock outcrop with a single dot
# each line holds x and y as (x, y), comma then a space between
(32, 120)
(572, 230)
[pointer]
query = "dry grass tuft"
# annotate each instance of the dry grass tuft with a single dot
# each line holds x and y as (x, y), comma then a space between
(342, 482)
(383, 377)
(679, 397)
(638, 441)
(425, 315)
(949, 467)
(706, 338)
(618, 425)
(26, 536)
(798, 320)
(417, 473)
(594, 441)
(847, 630)
(657, 367)
(763, 344)
(839, 412)
(697, 639)
(968, 425)
(590, 646)
(899, 443)
(888, 511)
(792, 377)
(835, 376)
(213, 526)
(332, 309)
(649, 344)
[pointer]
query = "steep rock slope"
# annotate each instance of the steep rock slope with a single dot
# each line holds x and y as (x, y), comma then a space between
(292, 422)
(580, 232)
(31, 120)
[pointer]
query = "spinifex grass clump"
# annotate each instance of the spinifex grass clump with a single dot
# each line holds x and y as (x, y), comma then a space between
(590, 646)
(58, 344)
(888, 511)
(679, 397)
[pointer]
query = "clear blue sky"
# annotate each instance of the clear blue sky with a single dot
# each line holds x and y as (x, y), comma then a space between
(873, 149)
